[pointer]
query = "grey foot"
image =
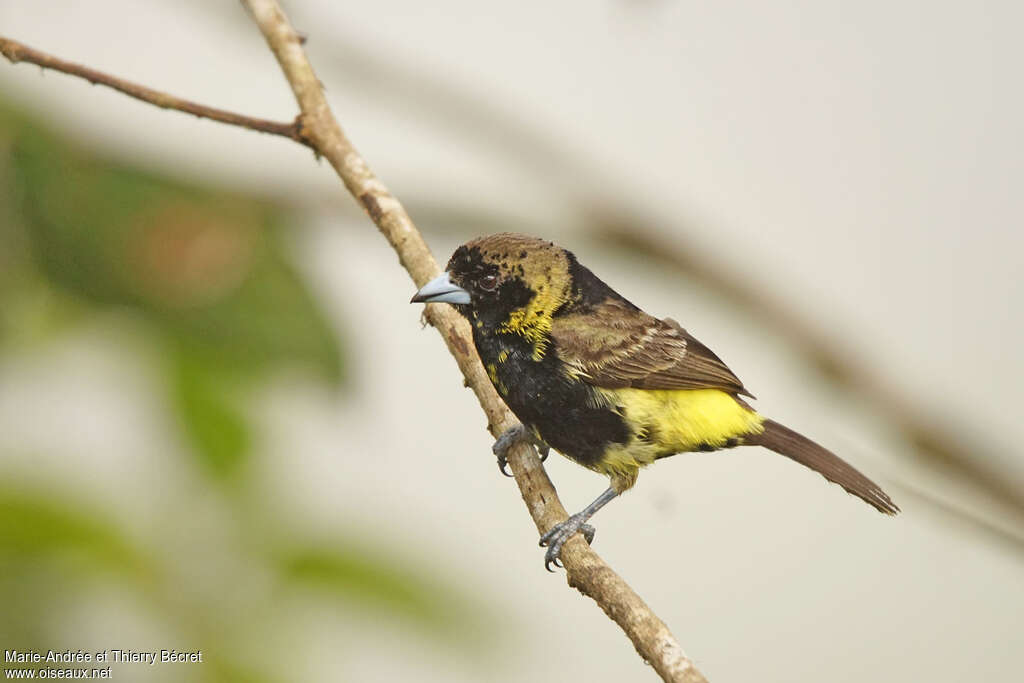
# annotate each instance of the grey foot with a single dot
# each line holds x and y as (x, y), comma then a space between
(510, 438)
(559, 534)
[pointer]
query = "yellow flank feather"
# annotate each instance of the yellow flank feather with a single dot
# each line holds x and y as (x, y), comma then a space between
(672, 421)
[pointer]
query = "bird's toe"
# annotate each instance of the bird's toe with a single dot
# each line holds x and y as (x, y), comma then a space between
(507, 440)
(556, 537)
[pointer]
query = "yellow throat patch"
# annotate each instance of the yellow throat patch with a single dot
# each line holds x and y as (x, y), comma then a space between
(548, 276)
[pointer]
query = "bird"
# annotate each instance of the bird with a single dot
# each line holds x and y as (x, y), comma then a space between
(595, 378)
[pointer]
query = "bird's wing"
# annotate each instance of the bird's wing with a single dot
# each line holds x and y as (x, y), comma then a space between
(615, 345)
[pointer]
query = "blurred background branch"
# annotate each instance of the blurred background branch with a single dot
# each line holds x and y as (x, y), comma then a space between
(939, 443)
(962, 454)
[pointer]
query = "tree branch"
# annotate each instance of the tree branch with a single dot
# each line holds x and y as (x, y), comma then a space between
(317, 128)
(585, 570)
(17, 52)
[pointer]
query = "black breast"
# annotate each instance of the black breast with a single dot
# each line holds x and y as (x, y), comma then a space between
(564, 411)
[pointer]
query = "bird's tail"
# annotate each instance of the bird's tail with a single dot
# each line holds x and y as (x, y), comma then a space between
(785, 441)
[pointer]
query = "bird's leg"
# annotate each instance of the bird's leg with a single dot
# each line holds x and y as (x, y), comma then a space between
(510, 438)
(556, 537)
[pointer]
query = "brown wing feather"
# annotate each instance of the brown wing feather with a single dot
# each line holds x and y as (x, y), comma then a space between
(615, 345)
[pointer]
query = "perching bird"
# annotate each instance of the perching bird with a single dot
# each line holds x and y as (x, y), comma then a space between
(598, 380)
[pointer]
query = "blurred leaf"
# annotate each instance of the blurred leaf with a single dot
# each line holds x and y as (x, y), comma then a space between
(216, 669)
(45, 546)
(270, 321)
(206, 267)
(361, 577)
(50, 549)
(212, 420)
(206, 274)
(32, 312)
(34, 525)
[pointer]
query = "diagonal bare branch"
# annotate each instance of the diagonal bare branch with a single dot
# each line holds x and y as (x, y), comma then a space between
(317, 128)
(585, 570)
(18, 52)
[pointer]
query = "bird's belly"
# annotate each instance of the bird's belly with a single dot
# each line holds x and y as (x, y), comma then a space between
(665, 422)
(563, 411)
(567, 421)
(680, 420)
(613, 431)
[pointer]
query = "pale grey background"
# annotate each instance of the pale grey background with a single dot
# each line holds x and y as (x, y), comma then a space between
(863, 161)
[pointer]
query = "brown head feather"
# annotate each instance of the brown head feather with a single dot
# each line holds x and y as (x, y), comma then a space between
(602, 337)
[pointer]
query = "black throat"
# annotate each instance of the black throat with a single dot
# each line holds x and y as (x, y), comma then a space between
(567, 413)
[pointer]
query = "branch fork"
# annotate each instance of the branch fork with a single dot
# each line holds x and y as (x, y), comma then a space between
(316, 127)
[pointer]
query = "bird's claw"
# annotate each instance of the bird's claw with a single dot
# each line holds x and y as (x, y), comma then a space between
(509, 438)
(556, 537)
(502, 464)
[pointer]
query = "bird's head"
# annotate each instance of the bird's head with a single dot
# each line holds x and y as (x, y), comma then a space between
(505, 283)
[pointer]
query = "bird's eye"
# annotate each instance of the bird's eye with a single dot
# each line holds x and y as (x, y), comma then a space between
(488, 282)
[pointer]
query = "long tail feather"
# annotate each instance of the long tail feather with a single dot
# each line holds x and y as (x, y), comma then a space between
(785, 441)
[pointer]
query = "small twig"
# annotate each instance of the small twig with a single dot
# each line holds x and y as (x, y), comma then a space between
(585, 570)
(17, 52)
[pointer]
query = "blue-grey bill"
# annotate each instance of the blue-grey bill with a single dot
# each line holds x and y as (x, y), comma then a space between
(441, 289)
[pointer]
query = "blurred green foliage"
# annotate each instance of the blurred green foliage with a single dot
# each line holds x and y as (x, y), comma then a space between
(204, 269)
(206, 275)
(216, 426)
(354, 573)
(34, 528)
